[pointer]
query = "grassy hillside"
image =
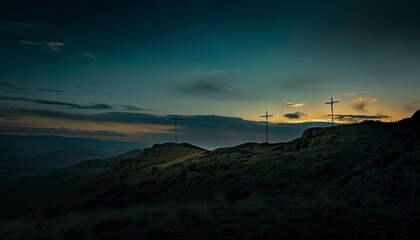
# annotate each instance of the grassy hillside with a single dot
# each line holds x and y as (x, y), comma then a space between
(349, 182)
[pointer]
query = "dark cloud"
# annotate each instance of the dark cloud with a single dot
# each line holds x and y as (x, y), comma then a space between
(97, 106)
(11, 86)
(361, 103)
(19, 89)
(51, 90)
(301, 82)
(58, 131)
(97, 85)
(295, 115)
(110, 117)
(134, 108)
(357, 118)
(208, 86)
(219, 85)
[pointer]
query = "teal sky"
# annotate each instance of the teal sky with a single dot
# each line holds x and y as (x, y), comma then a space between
(224, 58)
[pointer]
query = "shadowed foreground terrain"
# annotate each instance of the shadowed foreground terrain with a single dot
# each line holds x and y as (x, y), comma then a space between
(349, 182)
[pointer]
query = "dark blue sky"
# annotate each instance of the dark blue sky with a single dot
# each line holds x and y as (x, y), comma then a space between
(226, 58)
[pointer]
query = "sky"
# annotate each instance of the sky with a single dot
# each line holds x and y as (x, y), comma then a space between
(118, 70)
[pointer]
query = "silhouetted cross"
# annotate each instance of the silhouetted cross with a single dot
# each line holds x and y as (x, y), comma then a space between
(176, 119)
(332, 110)
(266, 116)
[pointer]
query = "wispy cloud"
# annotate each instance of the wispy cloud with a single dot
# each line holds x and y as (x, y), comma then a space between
(97, 106)
(134, 108)
(292, 104)
(88, 55)
(350, 94)
(16, 27)
(14, 88)
(11, 86)
(50, 46)
(361, 103)
(357, 118)
(295, 115)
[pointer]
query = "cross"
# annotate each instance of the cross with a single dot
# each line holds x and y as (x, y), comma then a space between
(176, 119)
(332, 110)
(266, 116)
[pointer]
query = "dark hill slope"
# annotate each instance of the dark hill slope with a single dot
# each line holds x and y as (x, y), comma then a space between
(369, 166)
(348, 182)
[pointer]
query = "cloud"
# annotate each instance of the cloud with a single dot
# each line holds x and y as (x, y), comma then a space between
(215, 84)
(88, 55)
(134, 108)
(50, 46)
(50, 90)
(292, 104)
(350, 94)
(205, 130)
(19, 89)
(109, 117)
(361, 103)
(131, 108)
(218, 85)
(295, 115)
(301, 82)
(16, 27)
(58, 131)
(97, 85)
(357, 118)
(206, 86)
(11, 86)
(97, 106)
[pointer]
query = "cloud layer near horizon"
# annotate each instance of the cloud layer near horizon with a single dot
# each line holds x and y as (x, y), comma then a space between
(205, 130)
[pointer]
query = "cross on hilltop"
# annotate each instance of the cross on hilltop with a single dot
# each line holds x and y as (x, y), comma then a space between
(332, 102)
(266, 116)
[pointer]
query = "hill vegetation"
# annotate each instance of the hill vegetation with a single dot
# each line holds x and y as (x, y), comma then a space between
(349, 182)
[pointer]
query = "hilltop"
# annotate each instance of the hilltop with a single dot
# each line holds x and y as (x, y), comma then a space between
(349, 181)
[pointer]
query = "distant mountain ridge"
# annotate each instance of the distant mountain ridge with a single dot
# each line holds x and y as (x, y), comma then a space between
(55, 159)
(23, 146)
